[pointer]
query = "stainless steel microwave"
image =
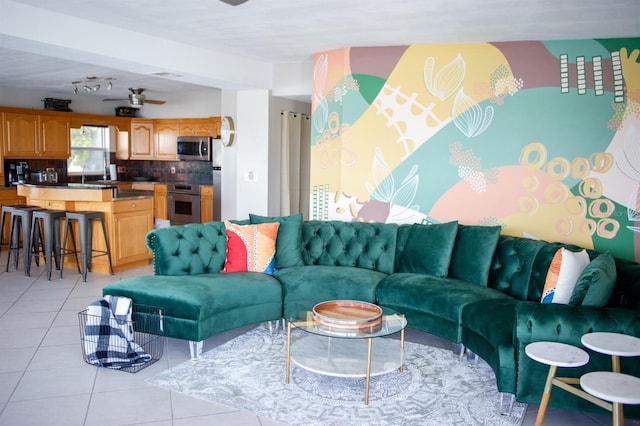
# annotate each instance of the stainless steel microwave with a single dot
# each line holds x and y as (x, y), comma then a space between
(194, 148)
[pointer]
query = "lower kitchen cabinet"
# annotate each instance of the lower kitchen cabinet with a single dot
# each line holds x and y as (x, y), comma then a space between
(206, 203)
(132, 220)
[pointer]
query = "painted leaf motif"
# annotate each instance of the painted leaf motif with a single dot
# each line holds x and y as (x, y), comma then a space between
(469, 117)
(320, 115)
(447, 80)
(320, 76)
(407, 192)
(383, 182)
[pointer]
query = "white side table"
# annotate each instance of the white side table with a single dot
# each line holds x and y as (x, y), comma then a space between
(615, 387)
(555, 355)
(614, 344)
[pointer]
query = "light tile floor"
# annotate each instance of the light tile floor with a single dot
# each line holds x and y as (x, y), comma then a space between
(44, 381)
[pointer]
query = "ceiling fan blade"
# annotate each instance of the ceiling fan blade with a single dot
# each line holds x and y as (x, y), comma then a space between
(233, 2)
(151, 101)
(118, 100)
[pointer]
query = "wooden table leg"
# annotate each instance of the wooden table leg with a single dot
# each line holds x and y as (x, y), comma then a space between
(545, 395)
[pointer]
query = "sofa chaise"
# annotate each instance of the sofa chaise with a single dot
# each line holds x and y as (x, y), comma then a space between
(468, 284)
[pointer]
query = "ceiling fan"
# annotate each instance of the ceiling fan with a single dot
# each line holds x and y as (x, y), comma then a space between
(137, 98)
(233, 2)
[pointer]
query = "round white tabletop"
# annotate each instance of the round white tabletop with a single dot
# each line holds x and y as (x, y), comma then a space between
(558, 354)
(614, 387)
(612, 343)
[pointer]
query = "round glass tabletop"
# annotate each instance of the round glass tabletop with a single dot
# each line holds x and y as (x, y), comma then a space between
(391, 322)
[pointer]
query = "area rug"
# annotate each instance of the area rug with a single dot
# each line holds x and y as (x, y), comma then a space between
(248, 373)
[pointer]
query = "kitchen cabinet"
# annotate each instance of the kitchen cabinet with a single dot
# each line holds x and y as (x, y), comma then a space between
(159, 197)
(166, 134)
(160, 201)
(36, 136)
(141, 138)
(206, 203)
(21, 135)
(55, 141)
(132, 220)
(200, 128)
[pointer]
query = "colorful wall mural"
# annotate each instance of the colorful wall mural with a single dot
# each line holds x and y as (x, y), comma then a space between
(542, 138)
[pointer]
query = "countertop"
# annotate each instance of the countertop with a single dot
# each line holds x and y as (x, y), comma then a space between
(118, 194)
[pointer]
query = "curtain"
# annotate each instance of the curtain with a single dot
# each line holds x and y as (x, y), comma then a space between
(295, 151)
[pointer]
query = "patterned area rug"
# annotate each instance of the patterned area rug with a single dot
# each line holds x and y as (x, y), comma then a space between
(248, 373)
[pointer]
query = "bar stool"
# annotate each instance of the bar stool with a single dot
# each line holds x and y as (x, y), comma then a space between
(46, 222)
(19, 234)
(6, 211)
(84, 219)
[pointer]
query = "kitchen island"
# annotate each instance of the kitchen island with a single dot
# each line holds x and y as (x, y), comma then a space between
(128, 218)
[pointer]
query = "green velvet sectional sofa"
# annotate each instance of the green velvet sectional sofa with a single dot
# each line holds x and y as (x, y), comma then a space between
(468, 284)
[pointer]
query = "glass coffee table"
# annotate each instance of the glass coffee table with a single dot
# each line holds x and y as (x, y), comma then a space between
(344, 351)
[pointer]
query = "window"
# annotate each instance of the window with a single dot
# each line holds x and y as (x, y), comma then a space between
(89, 151)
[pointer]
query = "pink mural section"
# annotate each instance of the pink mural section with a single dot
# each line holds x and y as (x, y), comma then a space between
(541, 138)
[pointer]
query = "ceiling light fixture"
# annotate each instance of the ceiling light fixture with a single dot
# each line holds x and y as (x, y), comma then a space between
(92, 84)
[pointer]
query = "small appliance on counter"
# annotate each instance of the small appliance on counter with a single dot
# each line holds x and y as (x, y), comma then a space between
(16, 172)
(48, 175)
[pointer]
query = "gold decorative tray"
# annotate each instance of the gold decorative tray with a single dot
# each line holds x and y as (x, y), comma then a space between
(347, 314)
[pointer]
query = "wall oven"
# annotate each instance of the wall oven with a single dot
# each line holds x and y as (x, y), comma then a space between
(183, 203)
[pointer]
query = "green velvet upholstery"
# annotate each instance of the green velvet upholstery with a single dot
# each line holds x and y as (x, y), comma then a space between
(191, 249)
(305, 286)
(595, 284)
(362, 245)
(427, 249)
(356, 260)
(289, 240)
(487, 330)
(443, 298)
(205, 304)
(473, 252)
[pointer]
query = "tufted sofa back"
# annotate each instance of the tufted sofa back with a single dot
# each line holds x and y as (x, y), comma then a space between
(520, 268)
(363, 245)
(188, 250)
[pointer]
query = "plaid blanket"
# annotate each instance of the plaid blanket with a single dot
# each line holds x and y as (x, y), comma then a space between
(109, 335)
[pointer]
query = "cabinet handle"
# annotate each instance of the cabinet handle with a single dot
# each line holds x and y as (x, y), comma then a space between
(133, 205)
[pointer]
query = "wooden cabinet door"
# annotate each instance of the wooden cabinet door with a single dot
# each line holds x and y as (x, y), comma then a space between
(22, 135)
(166, 136)
(142, 140)
(200, 128)
(206, 203)
(130, 230)
(160, 201)
(55, 137)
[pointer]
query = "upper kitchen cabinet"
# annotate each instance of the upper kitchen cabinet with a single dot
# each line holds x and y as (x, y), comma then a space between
(36, 136)
(209, 127)
(55, 141)
(142, 140)
(166, 135)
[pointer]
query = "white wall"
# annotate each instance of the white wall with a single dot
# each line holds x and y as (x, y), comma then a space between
(229, 160)
(252, 137)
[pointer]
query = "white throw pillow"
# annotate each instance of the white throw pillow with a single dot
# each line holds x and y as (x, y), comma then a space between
(564, 271)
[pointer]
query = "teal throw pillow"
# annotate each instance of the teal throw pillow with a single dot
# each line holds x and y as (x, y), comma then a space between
(428, 249)
(289, 240)
(473, 253)
(595, 284)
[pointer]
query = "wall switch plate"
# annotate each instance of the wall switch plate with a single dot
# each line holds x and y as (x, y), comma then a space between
(173, 170)
(250, 176)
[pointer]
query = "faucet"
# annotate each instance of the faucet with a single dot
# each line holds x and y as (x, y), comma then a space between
(82, 172)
